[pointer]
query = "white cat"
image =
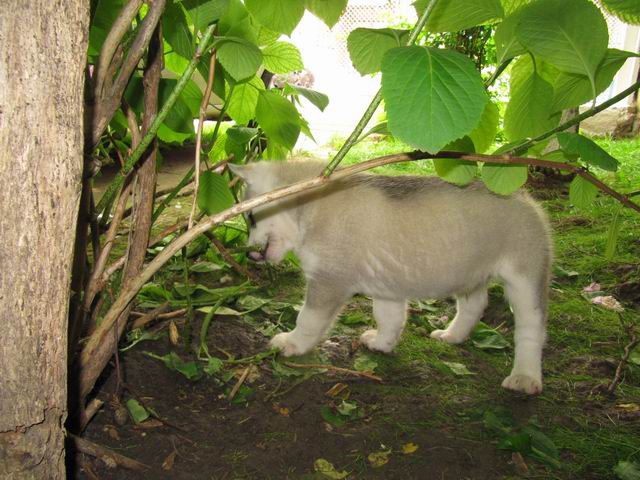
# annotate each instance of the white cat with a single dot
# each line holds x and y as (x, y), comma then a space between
(396, 238)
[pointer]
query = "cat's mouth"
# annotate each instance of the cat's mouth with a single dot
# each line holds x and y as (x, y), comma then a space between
(259, 255)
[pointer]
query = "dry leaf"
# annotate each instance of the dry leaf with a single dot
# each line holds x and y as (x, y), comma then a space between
(520, 464)
(378, 459)
(151, 423)
(174, 336)
(629, 407)
(336, 390)
(608, 302)
(409, 448)
(112, 432)
(168, 462)
(325, 468)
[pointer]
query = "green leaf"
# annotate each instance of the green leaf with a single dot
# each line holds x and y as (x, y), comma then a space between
(554, 30)
(278, 118)
(485, 133)
(138, 413)
(458, 368)
(367, 46)
(175, 30)
(266, 36)
(511, 6)
(214, 365)
(542, 448)
(487, 338)
(572, 89)
(626, 10)
(282, 57)
(354, 318)
(214, 194)
(455, 15)
(433, 96)
(231, 147)
(327, 469)
(172, 361)
(319, 100)
(589, 151)
(504, 179)
(332, 417)
(329, 11)
(365, 363)
(529, 110)
(459, 172)
(278, 15)
(239, 57)
(205, 12)
(627, 470)
(507, 44)
(236, 22)
(582, 192)
(241, 135)
(347, 409)
(242, 105)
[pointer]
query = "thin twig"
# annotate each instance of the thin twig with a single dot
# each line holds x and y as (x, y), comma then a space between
(203, 111)
(88, 413)
(628, 349)
(110, 458)
(347, 371)
(229, 258)
(150, 316)
(239, 383)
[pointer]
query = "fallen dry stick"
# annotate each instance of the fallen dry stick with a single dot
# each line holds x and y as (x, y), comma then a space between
(355, 373)
(109, 457)
(237, 386)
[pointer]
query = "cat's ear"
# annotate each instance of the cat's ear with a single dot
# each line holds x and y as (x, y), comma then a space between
(242, 171)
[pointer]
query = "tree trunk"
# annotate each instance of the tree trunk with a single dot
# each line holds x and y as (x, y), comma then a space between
(42, 58)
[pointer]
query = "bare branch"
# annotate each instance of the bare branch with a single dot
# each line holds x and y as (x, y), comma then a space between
(110, 45)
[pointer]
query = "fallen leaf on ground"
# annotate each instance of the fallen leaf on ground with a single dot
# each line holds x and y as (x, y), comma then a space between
(327, 469)
(168, 462)
(520, 464)
(608, 302)
(151, 423)
(409, 448)
(458, 368)
(378, 459)
(174, 336)
(592, 288)
(629, 407)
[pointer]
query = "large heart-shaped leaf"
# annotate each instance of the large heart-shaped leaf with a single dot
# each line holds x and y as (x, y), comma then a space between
(239, 57)
(175, 30)
(557, 32)
(507, 44)
(367, 46)
(242, 104)
(511, 6)
(278, 15)
(458, 172)
(626, 10)
(213, 193)
(205, 12)
(504, 179)
(282, 57)
(454, 15)
(588, 150)
(529, 110)
(485, 133)
(572, 89)
(329, 11)
(278, 118)
(582, 192)
(433, 96)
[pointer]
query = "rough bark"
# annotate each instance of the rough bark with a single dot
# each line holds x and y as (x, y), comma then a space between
(144, 198)
(42, 58)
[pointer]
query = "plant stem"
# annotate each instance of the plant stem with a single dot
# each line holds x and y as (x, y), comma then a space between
(353, 138)
(157, 122)
(501, 68)
(520, 149)
(186, 335)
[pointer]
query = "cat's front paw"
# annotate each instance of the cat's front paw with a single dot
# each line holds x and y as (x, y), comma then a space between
(373, 341)
(287, 344)
(519, 382)
(447, 336)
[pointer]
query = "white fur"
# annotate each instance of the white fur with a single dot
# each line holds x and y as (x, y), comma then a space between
(407, 237)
